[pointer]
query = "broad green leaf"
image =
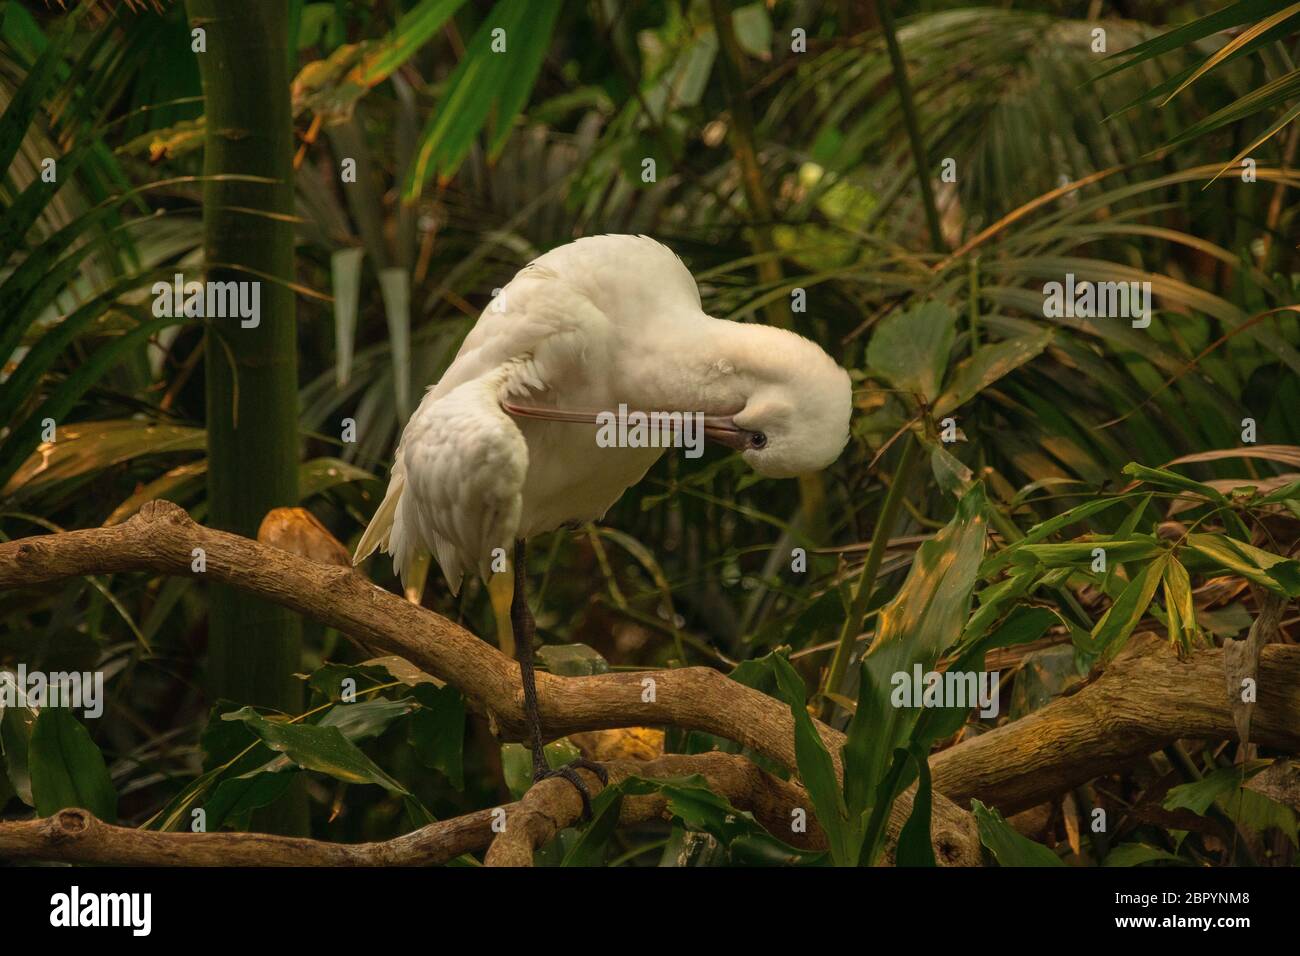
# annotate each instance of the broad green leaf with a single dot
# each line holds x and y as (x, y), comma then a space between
(437, 731)
(15, 734)
(517, 762)
(753, 28)
(1199, 795)
(1260, 812)
(313, 747)
(986, 366)
(233, 799)
(910, 349)
(395, 289)
(915, 846)
(533, 39)
(67, 769)
(1046, 528)
(924, 619)
(321, 474)
(1171, 479)
(816, 769)
(589, 848)
(929, 612)
(1008, 847)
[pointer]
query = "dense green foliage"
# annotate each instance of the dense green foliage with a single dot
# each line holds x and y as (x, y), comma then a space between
(1073, 434)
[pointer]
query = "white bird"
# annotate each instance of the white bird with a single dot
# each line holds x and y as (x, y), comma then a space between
(505, 447)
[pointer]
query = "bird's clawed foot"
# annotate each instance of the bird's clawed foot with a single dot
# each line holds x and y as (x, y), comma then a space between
(570, 773)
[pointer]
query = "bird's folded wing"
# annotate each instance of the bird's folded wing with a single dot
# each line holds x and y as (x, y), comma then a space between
(457, 484)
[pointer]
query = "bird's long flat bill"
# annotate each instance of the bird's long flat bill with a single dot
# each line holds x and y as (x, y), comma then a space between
(718, 428)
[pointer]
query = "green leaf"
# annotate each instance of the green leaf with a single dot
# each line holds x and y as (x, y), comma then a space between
(1229, 16)
(437, 731)
(320, 474)
(85, 447)
(1179, 608)
(484, 80)
(15, 734)
(36, 89)
(1263, 567)
(67, 768)
(345, 280)
(589, 848)
(753, 28)
(986, 366)
(1008, 847)
(915, 847)
(1199, 795)
(1135, 854)
(313, 747)
(395, 290)
(1078, 554)
(27, 436)
(691, 802)
(572, 660)
(816, 769)
(415, 28)
(910, 349)
(1115, 627)
(533, 39)
(517, 762)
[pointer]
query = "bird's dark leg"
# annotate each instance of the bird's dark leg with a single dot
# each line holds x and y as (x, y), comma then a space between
(524, 627)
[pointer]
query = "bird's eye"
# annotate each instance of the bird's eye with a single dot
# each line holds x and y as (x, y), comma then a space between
(757, 440)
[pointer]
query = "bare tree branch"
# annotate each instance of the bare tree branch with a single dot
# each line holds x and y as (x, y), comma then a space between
(1144, 700)
(513, 831)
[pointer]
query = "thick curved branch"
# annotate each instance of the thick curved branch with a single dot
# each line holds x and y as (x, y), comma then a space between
(1142, 702)
(512, 833)
(77, 836)
(553, 804)
(162, 538)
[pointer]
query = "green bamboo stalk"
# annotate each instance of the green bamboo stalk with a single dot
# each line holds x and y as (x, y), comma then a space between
(862, 592)
(254, 647)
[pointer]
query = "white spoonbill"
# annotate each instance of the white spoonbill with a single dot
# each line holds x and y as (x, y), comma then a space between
(505, 446)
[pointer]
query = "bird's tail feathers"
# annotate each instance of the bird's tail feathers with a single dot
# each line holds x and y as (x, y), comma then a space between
(380, 529)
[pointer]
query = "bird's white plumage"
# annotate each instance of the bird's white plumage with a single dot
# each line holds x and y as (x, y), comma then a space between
(589, 325)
